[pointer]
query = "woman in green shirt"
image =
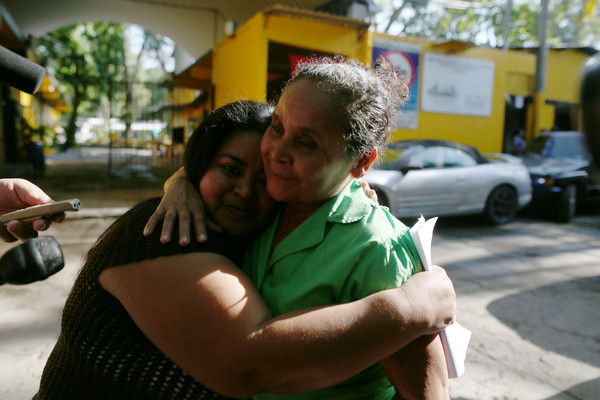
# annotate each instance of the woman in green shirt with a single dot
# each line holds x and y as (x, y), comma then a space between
(329, 244)
(152, 321)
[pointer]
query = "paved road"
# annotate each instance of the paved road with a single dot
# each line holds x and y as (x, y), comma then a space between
(529, 291)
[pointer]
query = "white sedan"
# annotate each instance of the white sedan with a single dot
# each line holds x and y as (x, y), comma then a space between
(441, 178)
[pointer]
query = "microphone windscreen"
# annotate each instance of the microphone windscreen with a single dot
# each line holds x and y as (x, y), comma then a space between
(19, 72)
(51, 254)
(32, 261)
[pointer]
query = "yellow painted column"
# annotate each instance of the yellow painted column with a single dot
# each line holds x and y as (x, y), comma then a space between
(543, 115)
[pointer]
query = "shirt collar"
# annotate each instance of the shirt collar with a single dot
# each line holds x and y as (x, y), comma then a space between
(350, 205)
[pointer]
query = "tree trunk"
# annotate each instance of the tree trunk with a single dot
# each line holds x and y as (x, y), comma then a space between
(71, 125)
(394, 16)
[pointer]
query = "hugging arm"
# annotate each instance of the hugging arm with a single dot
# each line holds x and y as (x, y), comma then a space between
(181, 201)
(418, 370)
(187, 304)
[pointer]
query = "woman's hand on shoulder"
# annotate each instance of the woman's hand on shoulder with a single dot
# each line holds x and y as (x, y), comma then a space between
(368, 191)
(371, 193)
(181, 202)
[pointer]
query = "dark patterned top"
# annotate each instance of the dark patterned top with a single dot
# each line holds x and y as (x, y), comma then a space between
(101, 353)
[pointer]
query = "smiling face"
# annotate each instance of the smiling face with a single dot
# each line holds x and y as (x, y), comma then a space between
(303, 149)
(234, 186)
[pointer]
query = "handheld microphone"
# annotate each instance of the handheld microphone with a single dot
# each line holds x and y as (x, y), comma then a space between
(20, 72)
(32, 261)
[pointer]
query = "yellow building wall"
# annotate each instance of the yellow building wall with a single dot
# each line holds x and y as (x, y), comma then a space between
(240, 64)
(513, 74)
(563, 75)
(319, 36)
(240, 67)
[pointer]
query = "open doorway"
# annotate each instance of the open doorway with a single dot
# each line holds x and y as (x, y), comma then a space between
(515, 122)
(281, 59)
(565, 116)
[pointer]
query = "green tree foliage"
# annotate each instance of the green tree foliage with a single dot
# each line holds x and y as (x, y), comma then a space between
(97, 70)
(153, 45)
(571, 22)
(68, 57)
(108, 53)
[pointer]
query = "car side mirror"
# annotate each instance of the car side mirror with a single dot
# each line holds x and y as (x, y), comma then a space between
(406, 169)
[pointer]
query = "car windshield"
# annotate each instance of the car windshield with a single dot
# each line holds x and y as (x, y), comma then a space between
(559, 146)
(398, 155)
(537, 145)
(404, 156)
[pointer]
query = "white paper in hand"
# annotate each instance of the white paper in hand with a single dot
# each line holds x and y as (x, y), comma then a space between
(455, 338)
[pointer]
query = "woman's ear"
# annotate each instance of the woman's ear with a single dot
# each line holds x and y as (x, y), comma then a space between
(364, 163)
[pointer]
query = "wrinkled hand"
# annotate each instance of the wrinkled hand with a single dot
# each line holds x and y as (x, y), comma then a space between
(368, 191)
(432, 296)
(371, 193)
(181, 201)
(16, 194)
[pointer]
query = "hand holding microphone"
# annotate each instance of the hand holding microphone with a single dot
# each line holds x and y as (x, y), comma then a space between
(16, 194)
(37, 258)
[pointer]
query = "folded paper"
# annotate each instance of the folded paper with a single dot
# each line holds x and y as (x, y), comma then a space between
(455, 338)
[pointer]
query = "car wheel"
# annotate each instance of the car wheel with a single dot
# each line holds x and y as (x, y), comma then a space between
(501, 205)
(567, 202)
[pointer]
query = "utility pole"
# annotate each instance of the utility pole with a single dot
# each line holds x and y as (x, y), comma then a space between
(507, 17)
(539, 99)
(542, 57)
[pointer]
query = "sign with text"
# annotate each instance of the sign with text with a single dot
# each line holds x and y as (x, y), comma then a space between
(405, 57)
(457, 85)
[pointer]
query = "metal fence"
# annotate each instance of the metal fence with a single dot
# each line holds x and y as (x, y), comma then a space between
(152, 161)
(140, 143)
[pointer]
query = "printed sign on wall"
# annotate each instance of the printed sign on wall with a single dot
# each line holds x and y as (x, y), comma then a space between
(405, 57)
(457, 85)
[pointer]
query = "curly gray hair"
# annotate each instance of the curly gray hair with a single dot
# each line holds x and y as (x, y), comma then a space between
(368, 97)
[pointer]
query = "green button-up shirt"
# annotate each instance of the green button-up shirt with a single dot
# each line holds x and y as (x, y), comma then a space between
(348, 249)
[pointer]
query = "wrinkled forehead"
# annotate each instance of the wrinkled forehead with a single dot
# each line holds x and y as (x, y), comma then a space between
(303, 103)
(317, 95)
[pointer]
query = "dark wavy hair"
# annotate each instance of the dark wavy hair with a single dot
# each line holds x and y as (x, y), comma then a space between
(368, 97)
(204, 144)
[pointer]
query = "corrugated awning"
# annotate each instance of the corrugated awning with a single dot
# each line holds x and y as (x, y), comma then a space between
(49, 92)
(197, 75)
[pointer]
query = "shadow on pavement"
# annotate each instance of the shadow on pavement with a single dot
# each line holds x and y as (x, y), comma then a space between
(562, 318)
(585, 390)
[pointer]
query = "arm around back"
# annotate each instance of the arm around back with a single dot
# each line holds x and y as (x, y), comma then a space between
(418, 371)
(205, 315)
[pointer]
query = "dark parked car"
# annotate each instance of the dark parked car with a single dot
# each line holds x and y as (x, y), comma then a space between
(560, 168)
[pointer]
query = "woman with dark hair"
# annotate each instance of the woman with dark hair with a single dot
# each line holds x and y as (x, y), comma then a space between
(192, 322)
(329, 243)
